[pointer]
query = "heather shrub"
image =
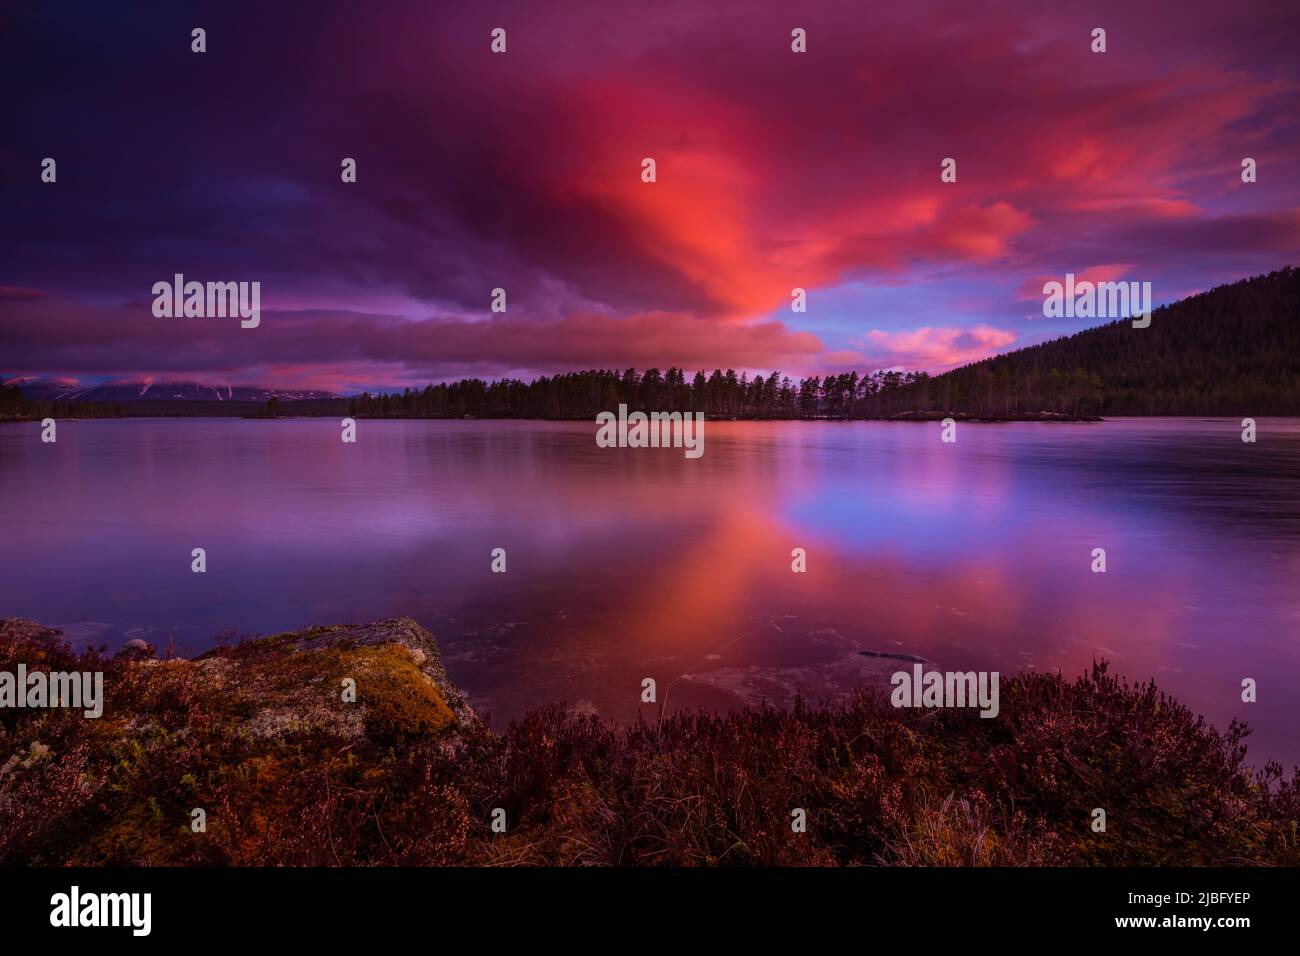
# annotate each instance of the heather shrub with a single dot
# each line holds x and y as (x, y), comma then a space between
(287, 775)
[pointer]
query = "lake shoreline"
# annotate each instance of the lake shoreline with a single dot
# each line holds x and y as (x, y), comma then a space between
(355, 730)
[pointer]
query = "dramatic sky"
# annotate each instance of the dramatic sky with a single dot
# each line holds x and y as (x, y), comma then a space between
(523, 171)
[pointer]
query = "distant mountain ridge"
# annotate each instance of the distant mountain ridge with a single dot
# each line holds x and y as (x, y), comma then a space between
(122, 393)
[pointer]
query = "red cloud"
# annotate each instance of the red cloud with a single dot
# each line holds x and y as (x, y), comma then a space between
(775, 170)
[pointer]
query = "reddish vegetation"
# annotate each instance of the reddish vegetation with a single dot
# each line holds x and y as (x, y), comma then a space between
(258, 736)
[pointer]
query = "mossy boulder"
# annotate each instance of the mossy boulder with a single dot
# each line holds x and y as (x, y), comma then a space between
(295, 681)
(264, 736)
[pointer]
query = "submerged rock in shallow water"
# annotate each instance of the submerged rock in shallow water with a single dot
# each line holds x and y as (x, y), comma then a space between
(895, 657)
(819, 681)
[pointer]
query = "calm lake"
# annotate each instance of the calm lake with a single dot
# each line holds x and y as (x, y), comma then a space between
(631, 563)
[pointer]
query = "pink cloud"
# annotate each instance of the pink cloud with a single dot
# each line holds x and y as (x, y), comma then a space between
(934, 348)
(1032, 288)
(127, 341)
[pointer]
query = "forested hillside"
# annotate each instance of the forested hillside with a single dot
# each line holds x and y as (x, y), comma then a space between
(1232, 350)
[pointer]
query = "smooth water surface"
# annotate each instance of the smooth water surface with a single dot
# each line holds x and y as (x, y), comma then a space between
(631, 563)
